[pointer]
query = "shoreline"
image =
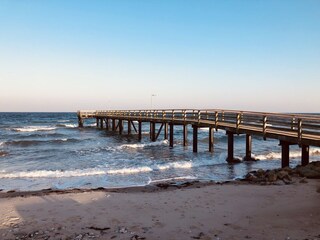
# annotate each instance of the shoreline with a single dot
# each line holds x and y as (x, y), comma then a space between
(231, 210)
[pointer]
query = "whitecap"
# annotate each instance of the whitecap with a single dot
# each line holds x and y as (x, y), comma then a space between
(292, 154)
(34, 129)
(143, 145)
(73, 173)
(175, 165)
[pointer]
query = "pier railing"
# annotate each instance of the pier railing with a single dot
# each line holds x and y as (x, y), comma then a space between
(297, 127)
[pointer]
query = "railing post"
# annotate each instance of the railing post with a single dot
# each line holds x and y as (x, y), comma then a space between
(238, 122)
(216, 120)
(264, 127)
(299, 130)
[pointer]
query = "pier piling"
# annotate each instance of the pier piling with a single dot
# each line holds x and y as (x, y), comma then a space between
(195, 138)
(304, 155)
(285, 153)
(185, 134)
(230, 157)
(211, 138)
(171, 135)
(301, 129)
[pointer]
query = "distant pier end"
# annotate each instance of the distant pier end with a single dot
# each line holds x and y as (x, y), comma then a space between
(289, 129)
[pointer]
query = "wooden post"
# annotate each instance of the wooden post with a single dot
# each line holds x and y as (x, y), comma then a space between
(171, 134)
(107, 124)
(97, 120)
(211, 138)
(150, 131)
(153, 131)
(129, 127)
(185, 134)
(139, 130)
(101, 123)
(120, 126)
(304, 155)
(166, 131)
(230, 157)
(248, 148)
(80, 122)
(284, 154)
(195, 138)
(113, 125)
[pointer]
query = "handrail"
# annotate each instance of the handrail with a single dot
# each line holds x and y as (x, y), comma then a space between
(298, 126)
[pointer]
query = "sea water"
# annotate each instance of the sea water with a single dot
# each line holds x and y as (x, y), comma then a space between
(48, 150)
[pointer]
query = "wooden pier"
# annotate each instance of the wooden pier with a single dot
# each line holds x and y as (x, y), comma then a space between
(289, 129)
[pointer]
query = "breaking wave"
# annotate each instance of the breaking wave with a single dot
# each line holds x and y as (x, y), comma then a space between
(67, 125)
(27, 143)
(293, 154)
(143, 145)
(34, 129)
(93, 171)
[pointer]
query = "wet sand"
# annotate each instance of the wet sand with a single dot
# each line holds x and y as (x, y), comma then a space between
(234, 210)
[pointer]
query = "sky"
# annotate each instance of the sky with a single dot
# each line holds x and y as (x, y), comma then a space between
(242, 55)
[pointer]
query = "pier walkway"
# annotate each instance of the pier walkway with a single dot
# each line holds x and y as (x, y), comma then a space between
(289, 129)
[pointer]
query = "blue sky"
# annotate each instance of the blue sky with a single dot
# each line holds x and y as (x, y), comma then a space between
(249, 55)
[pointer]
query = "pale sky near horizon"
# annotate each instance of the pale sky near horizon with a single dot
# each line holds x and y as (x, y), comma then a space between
(249, 55)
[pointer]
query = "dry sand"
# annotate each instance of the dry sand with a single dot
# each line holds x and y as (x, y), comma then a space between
(212, 211)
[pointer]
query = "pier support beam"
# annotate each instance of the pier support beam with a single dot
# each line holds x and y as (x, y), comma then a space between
(80, 122)
(166, 131)
(171, 135)
(230, 146)
(97, 120)
(101, 123)
(113, 125)
(129, 127)
(304, 155)
(284, 153)
(107, 124)
(185, 135)
(195, 138)
(139, 130)
(230, 157)
(248, 156)
(211, 138)
(120, 126)
(153, 131)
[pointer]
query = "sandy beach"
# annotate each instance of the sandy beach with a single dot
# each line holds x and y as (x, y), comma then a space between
(201, 211)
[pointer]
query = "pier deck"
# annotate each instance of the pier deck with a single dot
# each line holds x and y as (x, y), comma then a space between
(289, 129)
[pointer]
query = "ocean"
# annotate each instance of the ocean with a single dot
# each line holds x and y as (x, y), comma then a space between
(48, 150)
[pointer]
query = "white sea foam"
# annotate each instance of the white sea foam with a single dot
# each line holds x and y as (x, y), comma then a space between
(172, 179)
(176, 165)
(71, 125)
(130, 170)
(142, 145)
(73, 173)
(1, 143)
(62, 121)
(34, 129)
(293, 154)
